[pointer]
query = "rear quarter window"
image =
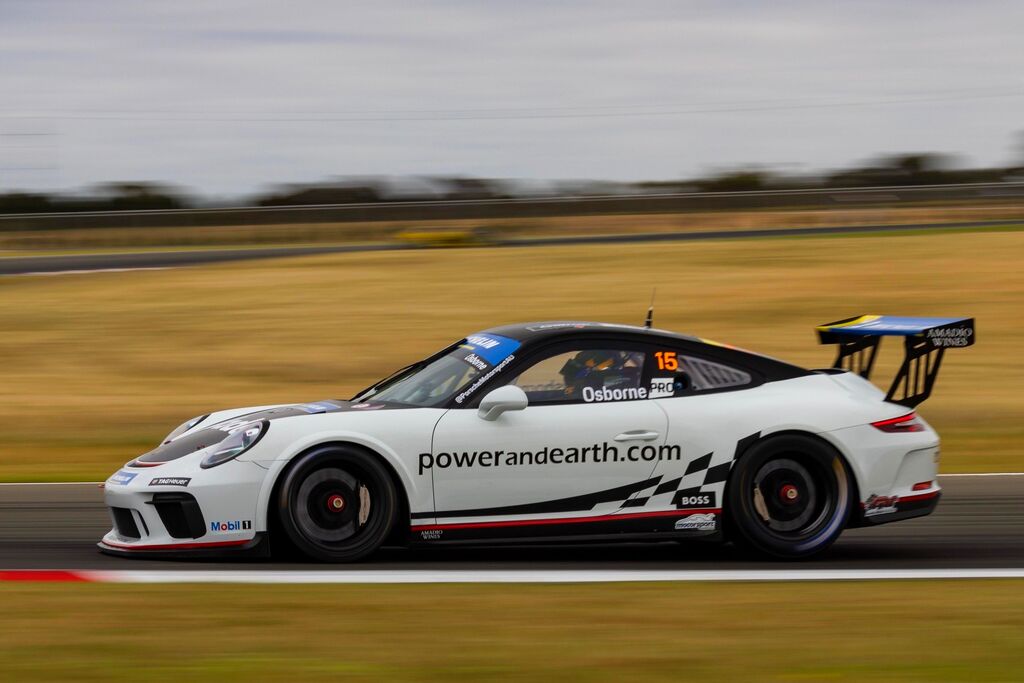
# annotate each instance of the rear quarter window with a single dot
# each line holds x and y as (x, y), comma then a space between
(677, 373)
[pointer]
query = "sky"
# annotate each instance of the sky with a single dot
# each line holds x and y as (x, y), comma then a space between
(229, 97)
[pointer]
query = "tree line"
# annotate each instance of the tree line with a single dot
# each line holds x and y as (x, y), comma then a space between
(894, 170)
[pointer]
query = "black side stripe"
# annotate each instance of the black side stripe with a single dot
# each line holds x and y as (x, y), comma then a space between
(745, 443)
(718, 473)
(667, 487)
(699, 464)
(713, 475)
(580, 503)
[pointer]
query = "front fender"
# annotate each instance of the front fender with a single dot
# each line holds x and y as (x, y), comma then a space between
(399, 446)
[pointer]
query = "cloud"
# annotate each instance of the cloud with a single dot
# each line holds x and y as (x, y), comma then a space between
(225, 97)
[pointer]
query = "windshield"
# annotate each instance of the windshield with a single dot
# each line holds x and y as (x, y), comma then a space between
(463, 369)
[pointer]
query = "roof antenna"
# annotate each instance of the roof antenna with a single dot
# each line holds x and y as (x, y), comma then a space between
(650, 311)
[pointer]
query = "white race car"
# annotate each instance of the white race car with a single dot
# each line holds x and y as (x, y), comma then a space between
(557, 432)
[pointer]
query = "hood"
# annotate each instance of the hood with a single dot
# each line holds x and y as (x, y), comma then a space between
(204, 436)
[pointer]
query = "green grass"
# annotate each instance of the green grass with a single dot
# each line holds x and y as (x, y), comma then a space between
(97, 368)
(850, 631)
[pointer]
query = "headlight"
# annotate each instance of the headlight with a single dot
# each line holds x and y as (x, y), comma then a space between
(184, 427)
(237, 442)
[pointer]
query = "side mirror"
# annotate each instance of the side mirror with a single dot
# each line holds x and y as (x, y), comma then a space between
(502, 399)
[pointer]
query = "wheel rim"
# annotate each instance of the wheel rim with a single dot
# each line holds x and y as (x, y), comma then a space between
(794, 498)
(333, 507)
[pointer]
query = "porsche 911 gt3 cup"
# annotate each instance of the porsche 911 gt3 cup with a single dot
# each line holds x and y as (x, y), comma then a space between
(558, 432)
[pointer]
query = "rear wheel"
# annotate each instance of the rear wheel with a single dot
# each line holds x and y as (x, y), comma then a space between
(337, 504)
(789, 497)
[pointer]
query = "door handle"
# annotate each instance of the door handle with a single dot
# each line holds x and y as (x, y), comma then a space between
(637, 435)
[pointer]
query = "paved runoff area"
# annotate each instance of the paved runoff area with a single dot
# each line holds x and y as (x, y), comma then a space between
(48, 532)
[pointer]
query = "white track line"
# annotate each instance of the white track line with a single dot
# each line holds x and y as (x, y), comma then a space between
(538, 576)
(47, 273)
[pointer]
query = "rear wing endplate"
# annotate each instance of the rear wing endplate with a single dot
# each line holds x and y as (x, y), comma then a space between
(924, 342)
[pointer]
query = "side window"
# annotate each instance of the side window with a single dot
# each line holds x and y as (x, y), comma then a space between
(678, 374)
(584, 375)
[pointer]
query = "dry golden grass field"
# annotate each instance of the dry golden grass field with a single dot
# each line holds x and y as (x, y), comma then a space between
(96, 368)
(850, 631)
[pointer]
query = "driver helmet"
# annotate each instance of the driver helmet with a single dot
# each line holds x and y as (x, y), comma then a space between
(586, 369)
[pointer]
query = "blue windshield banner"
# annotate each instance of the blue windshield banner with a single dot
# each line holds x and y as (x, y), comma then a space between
(493, 348)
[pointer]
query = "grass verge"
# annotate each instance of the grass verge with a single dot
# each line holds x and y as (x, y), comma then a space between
(893, 631)
(98, 367)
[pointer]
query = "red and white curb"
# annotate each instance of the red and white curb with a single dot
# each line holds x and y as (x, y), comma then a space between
(390, 576)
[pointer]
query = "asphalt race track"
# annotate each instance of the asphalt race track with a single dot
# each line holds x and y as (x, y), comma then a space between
(979, 524)
(22, 265)
(15, 265)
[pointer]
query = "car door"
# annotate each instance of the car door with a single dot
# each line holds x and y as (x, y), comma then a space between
(704, 400)
(587, 440)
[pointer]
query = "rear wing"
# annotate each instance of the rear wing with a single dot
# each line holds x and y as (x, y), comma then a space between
(924, 342)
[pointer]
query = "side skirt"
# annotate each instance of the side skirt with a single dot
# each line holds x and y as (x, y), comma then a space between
(659, 525)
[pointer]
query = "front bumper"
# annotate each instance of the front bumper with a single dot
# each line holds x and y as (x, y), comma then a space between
(259, 546)
(177, 508)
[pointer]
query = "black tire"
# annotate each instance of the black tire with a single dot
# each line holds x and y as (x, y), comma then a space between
(337, 503)
(789, 497)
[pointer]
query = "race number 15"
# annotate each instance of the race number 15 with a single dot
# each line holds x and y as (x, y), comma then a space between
(667, 360)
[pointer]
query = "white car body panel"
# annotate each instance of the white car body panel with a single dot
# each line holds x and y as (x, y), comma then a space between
(563, 427)
(708, 430)
(398, 436)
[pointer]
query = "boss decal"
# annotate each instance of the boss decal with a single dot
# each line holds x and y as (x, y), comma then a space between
(695, 499)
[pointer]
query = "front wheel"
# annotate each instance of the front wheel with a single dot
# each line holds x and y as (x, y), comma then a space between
(789, 497)
(337, 504)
